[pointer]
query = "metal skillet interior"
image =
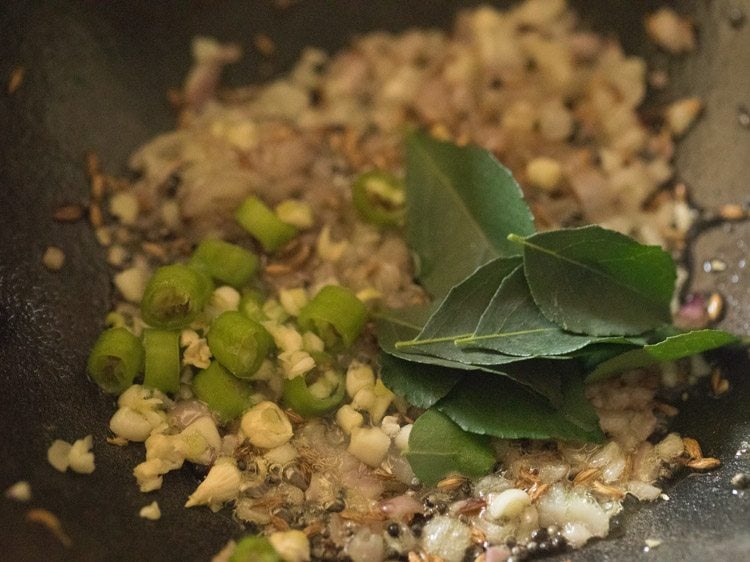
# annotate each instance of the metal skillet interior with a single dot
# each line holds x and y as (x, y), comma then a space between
(95, 77)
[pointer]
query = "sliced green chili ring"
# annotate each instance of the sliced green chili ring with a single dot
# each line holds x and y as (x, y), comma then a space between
(263, 224)
(174, 296)
(224, 393)
(238, 343)
(253, 548)
(298, 397)
(162, 365)
(379, 197)
(115, 360)
(225, 262)
(336, 310)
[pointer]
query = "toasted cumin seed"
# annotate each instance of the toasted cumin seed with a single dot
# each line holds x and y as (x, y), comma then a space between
(706, 463)
(692, 448)
(68, 213)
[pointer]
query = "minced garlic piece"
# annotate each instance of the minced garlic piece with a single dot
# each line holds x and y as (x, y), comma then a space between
(297, 213)
(292, 546)
(293, 300)
(78, 456)
(20, 491)
(197, 352)
(131, 283)
(220, 485)
(544, 173)
(327, 249)
(53, 258)
(124, 206)
(369, 444)
(266, 425)
(150, 511)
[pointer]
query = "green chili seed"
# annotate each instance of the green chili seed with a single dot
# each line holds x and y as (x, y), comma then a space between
(254, 549)
(225, 262)
(162, 366)
(224, 393)
(174, 296)
(379, 197)
(334, 311)
(238, 343)
(298, 397)
(115, 360)
(263, 224)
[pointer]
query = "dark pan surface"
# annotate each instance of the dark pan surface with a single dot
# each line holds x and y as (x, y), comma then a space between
(96, 73)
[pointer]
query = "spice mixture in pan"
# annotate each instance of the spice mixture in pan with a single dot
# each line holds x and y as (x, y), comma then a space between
(264, 244)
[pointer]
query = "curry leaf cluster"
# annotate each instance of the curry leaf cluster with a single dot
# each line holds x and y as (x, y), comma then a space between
(520, 320)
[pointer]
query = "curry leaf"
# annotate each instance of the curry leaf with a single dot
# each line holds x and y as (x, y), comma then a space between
(496, 406)
(670, 349)
(438, 447)
(394, 325)
(512, 324)
(595, 281)
(421, 385)
(461, 206)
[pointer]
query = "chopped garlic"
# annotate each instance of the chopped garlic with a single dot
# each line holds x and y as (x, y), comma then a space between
(681, 114)
(383, 399)
(507, 504)
(670, 31)
(291, 546)
(327, 249)
(296, 363)
(285, 337)
(124, 206)
(53, 258)
(20, 491)
(141, 413)
(150, 511)
(131, 283)
(369, 444)
(544, 173)
(58, 455)
(149, 473)
(130, 425)
(223, 299)
(221, 485)
(312, 342)
(274, 311)
(78, 456)
(266, 425)
(293, 300)
(390, 426)
(358, 376)
(348, 418)
(197, 354)
(402, 439)
(297, 213)
(201, 439)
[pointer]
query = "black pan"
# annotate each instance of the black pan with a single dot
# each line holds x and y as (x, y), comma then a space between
(95, 78)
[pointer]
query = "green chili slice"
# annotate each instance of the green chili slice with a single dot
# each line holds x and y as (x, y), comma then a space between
(174, 296)
(263, 224)
(334, 311)
(254, 548)
(115, 360)
(225, 262)
(224, 393)
(238, 343)
(162, 366)
(298, 397)
(379, 197)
